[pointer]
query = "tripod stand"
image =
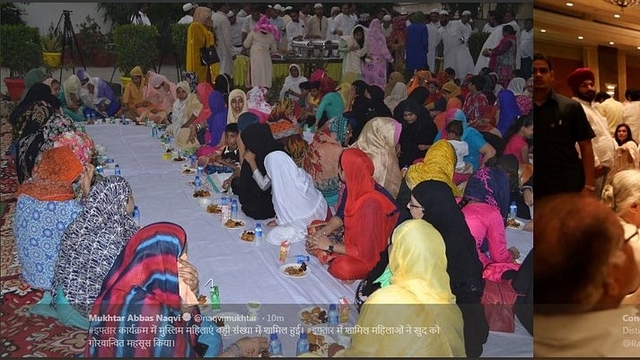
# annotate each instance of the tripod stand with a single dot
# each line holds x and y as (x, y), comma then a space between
(68, 38)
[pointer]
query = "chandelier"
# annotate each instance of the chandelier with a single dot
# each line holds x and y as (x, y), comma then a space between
(624, 3)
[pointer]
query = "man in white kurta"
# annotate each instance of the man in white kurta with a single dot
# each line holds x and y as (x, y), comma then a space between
(581, 81)
(296, 30)
(454, 36)
(222, 33)
(492, 41)
(345, 21)
(631, 114)
(189, 9)
(434, 38)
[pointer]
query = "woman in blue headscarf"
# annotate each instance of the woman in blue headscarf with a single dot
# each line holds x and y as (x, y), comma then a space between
(215, 123)
(97, 96)
(509, 110)
(479, 149)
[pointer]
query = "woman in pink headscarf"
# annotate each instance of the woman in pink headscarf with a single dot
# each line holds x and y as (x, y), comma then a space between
(161, 94)
(375, 72)
(262, 42)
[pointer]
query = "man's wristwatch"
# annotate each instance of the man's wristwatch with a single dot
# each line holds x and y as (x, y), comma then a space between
(330, 249)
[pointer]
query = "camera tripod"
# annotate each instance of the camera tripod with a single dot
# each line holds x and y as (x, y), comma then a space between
(68, 38)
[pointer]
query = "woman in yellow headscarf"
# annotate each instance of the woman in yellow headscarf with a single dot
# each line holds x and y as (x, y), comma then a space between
(417, 295)
(133, 94)
(199, 34)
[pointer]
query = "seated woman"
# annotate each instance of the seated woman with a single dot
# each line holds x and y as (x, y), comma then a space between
(285, 129)
(418, 131)
(215, 125)
(257, 102)
(418, 294)
(378, 140)
(160, 94)
(46, 205)
(193, 131)
(397, 94)
(152, 276)
(97, 96)
(185, 109)
(296, 201)
(256, 200)
(133, 97)
(623, 197)
(516, 138)
(42, 122)
(433, 201)
(291, 86)
(485, 205)
(237, 105)
(369, 219)
(70, 99)
(96, 236)
(436, 103)
(627, 154)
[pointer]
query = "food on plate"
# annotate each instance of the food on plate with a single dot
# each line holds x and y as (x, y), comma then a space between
(249, 236)
(296, 270)
(513, 223)
(179, 159)
(201, 193)
(202, 299)
(315, 316)
(264, 353)
(214, 209)
(169, 151)
(219, 321)
(188, 171)
(234, 223)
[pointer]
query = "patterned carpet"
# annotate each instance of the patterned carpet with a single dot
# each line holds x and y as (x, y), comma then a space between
(23, 334)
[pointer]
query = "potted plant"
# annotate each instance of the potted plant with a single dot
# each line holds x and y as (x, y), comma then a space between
(93, 43)
(476, 41)
(51, 49)
(21, 52)
(179, 43)
(136, 46)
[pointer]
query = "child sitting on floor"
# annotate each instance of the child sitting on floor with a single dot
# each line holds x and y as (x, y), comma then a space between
(227, 158)
(454, 133)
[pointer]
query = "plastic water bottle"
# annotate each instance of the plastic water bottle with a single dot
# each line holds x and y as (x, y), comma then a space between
(302, 258)
(513, 210)
(258, 231)
(275, 346)
(234, 209)
(117, 170)
(136, 215)
(99, 169)
(334, 316)
(226, 209)
(197, 183)
(124, 120)
(200, 167)
(302, 346)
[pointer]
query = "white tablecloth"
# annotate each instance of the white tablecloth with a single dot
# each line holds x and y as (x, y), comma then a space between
(242, 271)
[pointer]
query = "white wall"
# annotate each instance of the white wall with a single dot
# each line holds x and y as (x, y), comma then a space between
(41, 15)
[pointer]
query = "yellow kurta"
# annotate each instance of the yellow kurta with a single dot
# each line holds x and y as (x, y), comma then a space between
(198, 36)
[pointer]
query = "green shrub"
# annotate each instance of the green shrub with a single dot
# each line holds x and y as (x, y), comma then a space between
(135, 45)
(21, 48)
(476, 40)
(179, 42)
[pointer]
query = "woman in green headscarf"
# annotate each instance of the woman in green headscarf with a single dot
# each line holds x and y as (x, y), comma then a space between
(33, 76)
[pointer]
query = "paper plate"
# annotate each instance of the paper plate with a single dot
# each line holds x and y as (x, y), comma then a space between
(231, 319)
(247, 241)
(520, 224)
(244, 225)
(283, 272)
(323, 351)
(188, 171)
(308, 318)
(212, 207)
(179, 159)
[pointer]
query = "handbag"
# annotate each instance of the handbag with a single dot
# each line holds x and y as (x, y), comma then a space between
(209, 55)
(498, 299)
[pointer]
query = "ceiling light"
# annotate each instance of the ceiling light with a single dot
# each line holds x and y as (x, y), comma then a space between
(569, 4)
(624, 3)
(617, 16)
(638, 48)
(611, 43)
(581, 37)
(543, 30)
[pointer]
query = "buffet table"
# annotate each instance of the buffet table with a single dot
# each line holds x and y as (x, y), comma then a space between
(333, 66)
(245, 272)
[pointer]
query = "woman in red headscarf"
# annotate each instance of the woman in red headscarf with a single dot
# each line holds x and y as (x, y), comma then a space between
(369, 219)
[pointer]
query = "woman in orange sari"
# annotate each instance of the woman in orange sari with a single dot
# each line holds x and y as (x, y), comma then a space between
(199, 34)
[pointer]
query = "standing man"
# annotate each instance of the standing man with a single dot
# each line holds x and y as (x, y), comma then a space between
(295, 29)
(386, 26)
(251, 20)
(433, 29)
(236, 32)
(317, 24)
(189, 8)
(560, 124)
(456, 51)
(526, 48)
(417, 44)
(222, 32)
(140, 17)
(331, 24)
(631, 113)
(492, 21)
(581, 82)
(345, 21)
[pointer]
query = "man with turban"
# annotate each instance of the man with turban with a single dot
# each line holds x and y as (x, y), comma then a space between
(560, 124)
(582, 81)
